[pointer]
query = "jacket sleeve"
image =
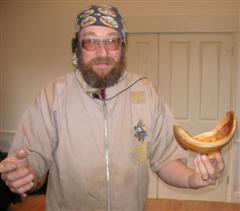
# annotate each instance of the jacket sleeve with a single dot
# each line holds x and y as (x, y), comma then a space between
(36, 132)
(164, 147)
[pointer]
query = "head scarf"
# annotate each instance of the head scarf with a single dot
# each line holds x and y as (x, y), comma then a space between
(101, 15)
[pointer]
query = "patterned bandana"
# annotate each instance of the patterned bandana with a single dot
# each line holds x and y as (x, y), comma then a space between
(101, 15)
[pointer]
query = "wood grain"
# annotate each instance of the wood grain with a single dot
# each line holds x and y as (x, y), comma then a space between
(37, 203)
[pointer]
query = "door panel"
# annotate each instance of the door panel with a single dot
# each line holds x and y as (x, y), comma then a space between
(142, 55)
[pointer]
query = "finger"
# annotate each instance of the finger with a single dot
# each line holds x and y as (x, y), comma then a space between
(21, 154)
(22, 182)
(7, 165)
(197, 180)
(22, 160)
(220, 162)
(15, 175)
(202, 168)
(22, 190)
(196, 166)
(198, 175)
(210, 166)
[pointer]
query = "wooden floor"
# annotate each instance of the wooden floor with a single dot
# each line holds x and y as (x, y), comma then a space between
(36, 203)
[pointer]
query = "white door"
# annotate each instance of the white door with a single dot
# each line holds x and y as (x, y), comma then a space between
(194, 76)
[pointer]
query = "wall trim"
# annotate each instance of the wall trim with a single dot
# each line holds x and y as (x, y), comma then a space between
(6, 138)
(183, 23)
(2, 63)
(235, 198)
(7, 131)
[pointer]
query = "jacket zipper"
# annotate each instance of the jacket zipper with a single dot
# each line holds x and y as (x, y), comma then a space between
(107, 155)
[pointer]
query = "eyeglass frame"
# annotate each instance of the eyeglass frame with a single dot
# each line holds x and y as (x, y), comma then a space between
(104, 41)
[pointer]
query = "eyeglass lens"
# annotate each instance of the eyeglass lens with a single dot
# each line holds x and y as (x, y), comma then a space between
(93, 44)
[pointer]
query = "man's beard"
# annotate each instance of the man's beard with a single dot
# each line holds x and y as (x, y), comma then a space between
(98, 80)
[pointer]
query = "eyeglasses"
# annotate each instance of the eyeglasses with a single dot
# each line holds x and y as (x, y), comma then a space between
(93, 44)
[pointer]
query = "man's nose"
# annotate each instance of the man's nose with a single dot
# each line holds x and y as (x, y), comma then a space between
(102, 51)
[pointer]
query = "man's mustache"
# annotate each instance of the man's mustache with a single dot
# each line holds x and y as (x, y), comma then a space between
(102, 60)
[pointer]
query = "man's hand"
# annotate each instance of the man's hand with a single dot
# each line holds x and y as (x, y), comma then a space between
(206, 171)
(17, 174)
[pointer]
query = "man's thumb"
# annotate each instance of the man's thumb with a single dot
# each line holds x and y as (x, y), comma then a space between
(22, 160)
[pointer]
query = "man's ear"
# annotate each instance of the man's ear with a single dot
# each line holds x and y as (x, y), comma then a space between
(74, 44)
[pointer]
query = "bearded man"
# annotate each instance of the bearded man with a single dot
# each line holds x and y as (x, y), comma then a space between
(97, 130)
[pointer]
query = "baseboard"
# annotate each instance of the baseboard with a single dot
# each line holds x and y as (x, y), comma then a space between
(235, 198)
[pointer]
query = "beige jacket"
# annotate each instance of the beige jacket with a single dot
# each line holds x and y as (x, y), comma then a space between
(65, 131)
